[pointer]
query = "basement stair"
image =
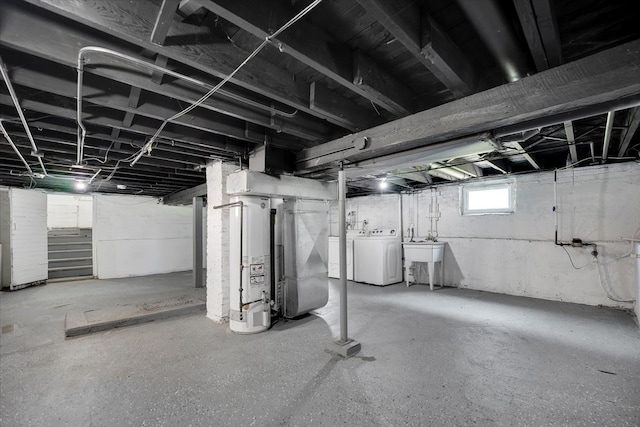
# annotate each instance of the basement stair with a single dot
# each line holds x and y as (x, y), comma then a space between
(70, 254)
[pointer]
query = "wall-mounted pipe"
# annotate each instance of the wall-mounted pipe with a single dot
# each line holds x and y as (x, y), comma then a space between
(16, 103)
(487, 17)
(241, 205)
(104, 51)
(607, 135)
(11, 143)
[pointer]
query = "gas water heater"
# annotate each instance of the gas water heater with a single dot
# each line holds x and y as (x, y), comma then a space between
(250, 275)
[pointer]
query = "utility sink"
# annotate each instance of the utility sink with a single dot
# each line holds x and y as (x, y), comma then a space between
(425, 251)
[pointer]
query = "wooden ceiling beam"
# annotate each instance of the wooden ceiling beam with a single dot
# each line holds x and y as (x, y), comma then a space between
(426, 41)
(538, 21)
(197, 47)
(168, 9)
(70, 114)
(610, 75)
(154, 106)
(53, 145)
(60, 44)
(313, 47)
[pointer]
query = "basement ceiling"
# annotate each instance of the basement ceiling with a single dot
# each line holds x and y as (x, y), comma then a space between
(413, 92)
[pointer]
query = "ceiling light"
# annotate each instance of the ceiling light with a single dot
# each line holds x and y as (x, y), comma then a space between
(121, 187)
(383, 184)
(81, 185)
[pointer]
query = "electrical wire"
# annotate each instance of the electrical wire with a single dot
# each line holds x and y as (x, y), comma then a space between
(148, 146)
(571, 260)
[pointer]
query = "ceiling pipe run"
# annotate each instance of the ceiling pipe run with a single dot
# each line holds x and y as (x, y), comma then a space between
(35, 153)
(82, 132)
(607, 135)
(489, 20)
(11, 143)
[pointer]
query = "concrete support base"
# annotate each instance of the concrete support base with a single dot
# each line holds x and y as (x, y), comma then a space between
(345, 349)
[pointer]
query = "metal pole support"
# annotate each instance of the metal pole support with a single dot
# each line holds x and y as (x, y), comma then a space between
(345, 346)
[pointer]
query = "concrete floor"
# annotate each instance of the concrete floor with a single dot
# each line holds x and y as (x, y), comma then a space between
(450, 357)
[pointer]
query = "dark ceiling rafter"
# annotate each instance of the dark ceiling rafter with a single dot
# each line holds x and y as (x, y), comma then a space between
(427, 42)
(15, 24)
(607, 76)
(540, 28)
(140, 127)
(350, 65)
(315, 48)
(259, 76)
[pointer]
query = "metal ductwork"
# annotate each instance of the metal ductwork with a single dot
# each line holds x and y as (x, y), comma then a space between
(489, 20)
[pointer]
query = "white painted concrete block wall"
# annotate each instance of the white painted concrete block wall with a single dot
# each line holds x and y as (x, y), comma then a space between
(137, 236)
(69, 211)
(218, 242)
(515, 254)
(379, 211)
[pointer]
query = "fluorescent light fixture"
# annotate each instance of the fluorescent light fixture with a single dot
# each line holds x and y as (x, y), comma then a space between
(121, 187)
(81, 185)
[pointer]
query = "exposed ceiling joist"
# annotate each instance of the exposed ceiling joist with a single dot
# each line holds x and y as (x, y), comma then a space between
(183, 134)
(426, 41)
(185, 197)
(135, 24)
(313, 47)
(610, 75)
(538, 21)
(163, 22)
(62, 47)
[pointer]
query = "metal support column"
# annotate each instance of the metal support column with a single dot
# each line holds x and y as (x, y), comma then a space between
(345, 347)
(198, 252)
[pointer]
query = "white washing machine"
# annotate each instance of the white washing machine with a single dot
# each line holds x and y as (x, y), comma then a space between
(334, 254)
(377, 259)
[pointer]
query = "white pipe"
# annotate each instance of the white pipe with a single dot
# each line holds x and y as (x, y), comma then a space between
(147, 147)
(6, 135)
(104, 51)
(607, 135)
(637, 255)
(16, 103)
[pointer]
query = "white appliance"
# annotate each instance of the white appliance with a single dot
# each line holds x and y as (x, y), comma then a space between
(249, 255)
(378, 257)
(334, 253)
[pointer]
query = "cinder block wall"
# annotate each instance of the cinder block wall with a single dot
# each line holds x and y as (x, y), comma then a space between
(515, 254)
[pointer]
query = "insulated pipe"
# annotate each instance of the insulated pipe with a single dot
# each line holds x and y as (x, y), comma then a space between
(342, 242)
(607, 135)
(6, 135)
(493, 27)
(16, 103)
(95, 49)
